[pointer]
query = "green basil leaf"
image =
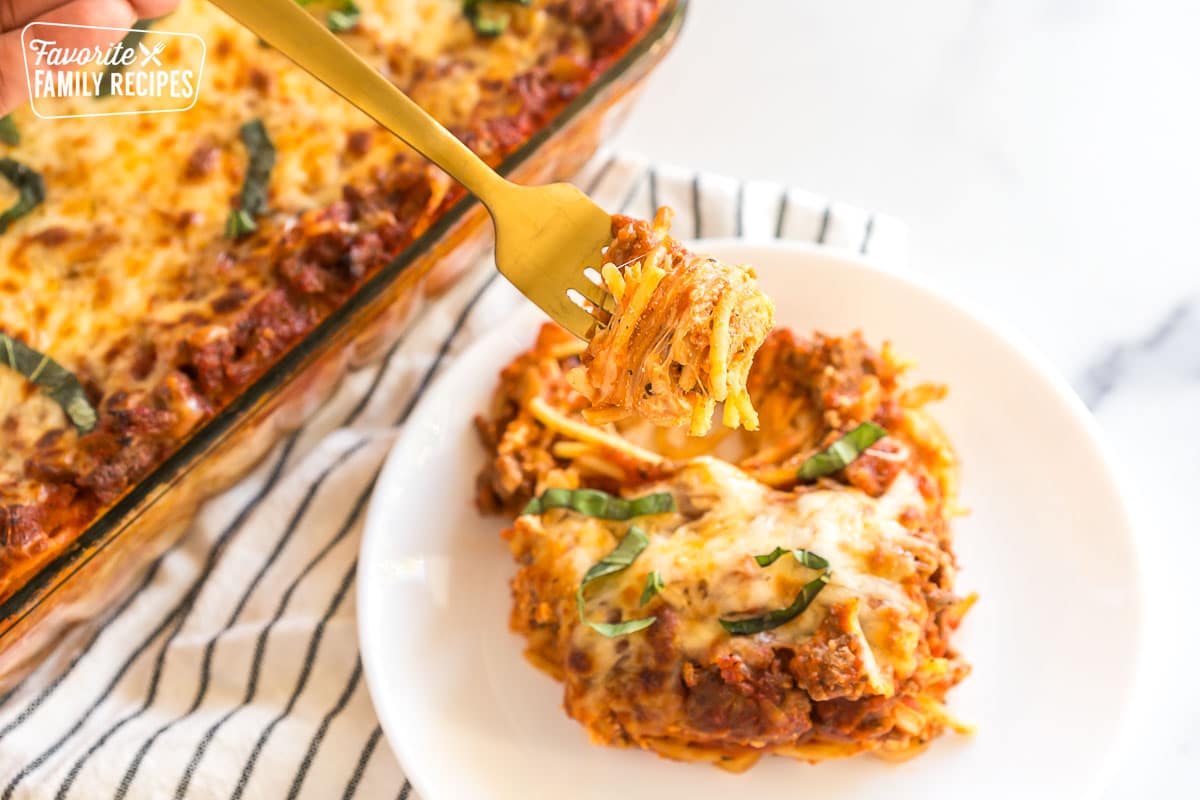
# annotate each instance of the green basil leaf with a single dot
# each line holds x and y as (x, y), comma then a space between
(773, 619)
(805, 557)
(488, 21)
(614, 629)
(622, 556)
(8, 131)
(841, 452)
(654, 585)
(31, 190)
(239, 223)
(258, 171)
(344, 18)
(131, 41)
(602, 505)
(59, 383)
(488, 25)
(611, 629)
(253, 200)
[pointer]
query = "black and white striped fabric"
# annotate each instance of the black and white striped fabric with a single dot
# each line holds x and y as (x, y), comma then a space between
(233, 670)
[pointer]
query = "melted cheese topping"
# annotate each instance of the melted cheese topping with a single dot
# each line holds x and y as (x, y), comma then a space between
(709, 572)
(127, 254)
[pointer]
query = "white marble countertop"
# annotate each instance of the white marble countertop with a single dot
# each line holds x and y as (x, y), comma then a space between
(1044, 156)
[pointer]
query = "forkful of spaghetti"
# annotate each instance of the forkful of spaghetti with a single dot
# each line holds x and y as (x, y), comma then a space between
(670, 334)
(681, 338)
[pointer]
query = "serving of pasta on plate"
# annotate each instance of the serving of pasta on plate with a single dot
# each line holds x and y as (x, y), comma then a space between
(804, 590)
(716, 594)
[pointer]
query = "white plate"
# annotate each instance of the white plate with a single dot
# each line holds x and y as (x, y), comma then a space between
(1054, 639)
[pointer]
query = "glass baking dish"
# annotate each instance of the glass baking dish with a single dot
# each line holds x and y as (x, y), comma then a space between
(101, 565)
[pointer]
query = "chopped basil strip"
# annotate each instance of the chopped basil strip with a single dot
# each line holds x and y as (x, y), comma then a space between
(614, 629)
(654, 585)
(487, 24)
(130, 42)
(806, 558)
(344, 18)
(841, 452)
(258, 175)
(239, 223)
(8, 131)
(602, 505)
(486, 21)
(55, 380)
(622, 556)
(30, 187)
(773, 619)
(258, 171)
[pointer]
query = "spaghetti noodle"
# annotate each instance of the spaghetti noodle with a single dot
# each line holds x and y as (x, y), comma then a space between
(852, 650)
(682, 338)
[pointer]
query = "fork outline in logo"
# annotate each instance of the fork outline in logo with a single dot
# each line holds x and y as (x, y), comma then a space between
(149, 55)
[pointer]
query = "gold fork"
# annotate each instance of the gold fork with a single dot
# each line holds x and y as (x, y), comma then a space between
(546, 236)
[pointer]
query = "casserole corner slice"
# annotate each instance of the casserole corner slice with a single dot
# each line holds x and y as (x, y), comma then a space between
(863, 667)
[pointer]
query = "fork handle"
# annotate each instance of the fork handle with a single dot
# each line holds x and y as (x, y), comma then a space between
(286, 26)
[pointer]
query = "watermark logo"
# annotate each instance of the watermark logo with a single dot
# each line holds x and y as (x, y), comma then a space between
(142, 72)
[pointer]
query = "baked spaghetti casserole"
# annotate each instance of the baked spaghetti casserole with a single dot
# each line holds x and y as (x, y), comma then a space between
(787, 590)
(153, 266)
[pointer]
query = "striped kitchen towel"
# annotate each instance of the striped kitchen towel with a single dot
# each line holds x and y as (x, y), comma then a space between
(232, 671)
